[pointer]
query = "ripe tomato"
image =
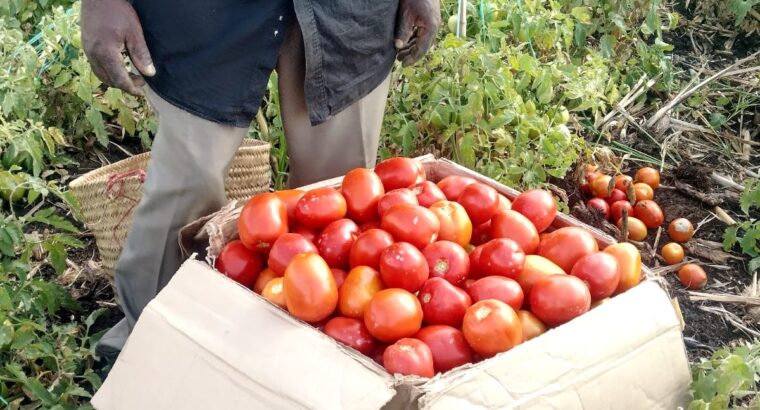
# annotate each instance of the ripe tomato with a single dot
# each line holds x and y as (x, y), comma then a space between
(513, 225)
(536, 268)
(273, 292)
(601, 273)
(362, 190)
(475, 270)
(240, 264)
(340, 277)
(427, 193)
(499, 288)
(616, 195)
(643, 191)
(629, 261)
(680, 230)
(409, 357)
(504, 203)
(290, 198)
(599, 205)
(393, 314)
(480, 201)
(443, 303)
(600, 186)
(412, 223)
(453, 185)
(263, 219)
(672, 253)
(558, 299)
(361, 284)
(616, 210)
(377, 354)
(319, 207)
(566, 245)
(502, 257)
(455, 224)
(396, 197)
(285, 248)
(310, 290)
(403, 266)
(369, 225)
(637, 230)
(351, 332)
(481, 234)
(649, 176)
(537, 205)
(622, 182)
(448, 345)
(335, 242)
(649, 213)
(531, 325)
(368, 248)
(310, 234)
(447, 260)
(692, 276)
(264, 278)
(400, 173)
(491, 327)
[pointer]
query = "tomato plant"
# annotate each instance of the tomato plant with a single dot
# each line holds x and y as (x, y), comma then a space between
(537, 205)
(264, 218)
(310, 290)
(601, 273)
(443, 303)
(239, 263)
(412, 223)
(566, 245)
(448, 346)
(400, 172)
(285, 248)
(407, 357)
(351, 332)
(499, 288)
(558, 299)
(362, 190)
(480, 201)
(359, 287)
(455, 224)
(321, 206)
(513, 225)
(393, 314)
(447, 260)
(403, 266)
(491, 327)
(335, 242)
(368, 247)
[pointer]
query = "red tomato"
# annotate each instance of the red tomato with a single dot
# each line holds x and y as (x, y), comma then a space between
(601, 273)
(412, 223)
(377, 354)
(599, 205)
(240, 264)
(566, 245)
(600, 186)
(481, 233)
(491, 327)
(531, 326)
(340, 277)
(400, 173)
(309, 233)
(513, 225)
(310, 291)
(443, 303)
(273, 292)
(499, 288)
(393, 314)
(362, 190)
(475, 269)
(468, 284)
(264, 278)
(351, 332)
(368, 248)
(319, 207)
(616, 195)
(536, 268)
(290, 198)
(335, 242)
(558, 299)
(537, 205)
(285, 248)
(409, 357)
(360, 286)
(447, 260)
(403, 266)
(504, 203)
(428, 193)
(480, 201)
(455, 225)
(396, 197)
(502, 257)
(263, 219)
(616, 210)
(453, 185)
(369, 225)
(622, 182)
(649, 212)
(448, 345)
(629, 261)
(692, 276)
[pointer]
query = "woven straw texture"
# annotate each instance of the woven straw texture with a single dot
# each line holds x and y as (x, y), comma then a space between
(109, 195)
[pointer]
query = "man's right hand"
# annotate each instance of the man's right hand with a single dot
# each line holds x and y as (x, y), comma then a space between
(110, 27)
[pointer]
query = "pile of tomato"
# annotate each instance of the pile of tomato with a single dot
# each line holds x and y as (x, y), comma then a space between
(422, 276)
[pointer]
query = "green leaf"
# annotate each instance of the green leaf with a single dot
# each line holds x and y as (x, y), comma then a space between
(729, 238)
(47, 217)
(741, 8)
(56, 256)
(5, 300)
(6, 333)
(753, 265)
(39, 391)
(582, 14)
(98, 125)
(62, 79)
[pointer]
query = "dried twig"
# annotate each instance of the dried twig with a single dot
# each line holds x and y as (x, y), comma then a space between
(724, 298)
(724, 217)
(731, 318)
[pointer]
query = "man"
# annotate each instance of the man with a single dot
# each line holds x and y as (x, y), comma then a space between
(204, 66)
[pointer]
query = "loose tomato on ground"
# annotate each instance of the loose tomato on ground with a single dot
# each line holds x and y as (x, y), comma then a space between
(601, 273)
(368, 247)
(447, 260)
(637, 230)
(407, 357)
(273, 292)
(491, 327)
(536, 268)
(558, 299)
(649, 212)
(427, 193)
(263, 219)
(617, 208)
(622, 182)
(290, 198)
(396, 197)
(240, 264)
(680, 230)
(412, 223)
(400, 173)
(497, 287)
(513, 225)
(351, 332)
(403, 266)
(599, 205)
(310, 290)
(448, 346)
(455, 224)
(502, 257)
(443, 303)
(616, 195)
(285, 248)
(649, 176)
(629, 261)
(319, 207)
(453, 185)
(480, 201)
(393, 314)
(692, 276)
(672, 253)
(531, 325)
(335, 242)
(600, 186)
(360, 286)
(537, 205)
(643, 191)
(340, 276)
(362, 190)
(566, 245)
(264, 277)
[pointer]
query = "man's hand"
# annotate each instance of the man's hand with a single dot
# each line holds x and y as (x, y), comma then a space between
(416, 27)
(110, 27)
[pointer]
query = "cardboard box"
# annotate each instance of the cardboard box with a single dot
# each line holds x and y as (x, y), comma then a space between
(206, 342)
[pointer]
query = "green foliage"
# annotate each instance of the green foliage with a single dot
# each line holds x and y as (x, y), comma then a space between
(727, 380)
(28, 12)
(747, 233)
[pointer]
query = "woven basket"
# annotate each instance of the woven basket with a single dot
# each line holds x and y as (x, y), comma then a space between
(109, 195)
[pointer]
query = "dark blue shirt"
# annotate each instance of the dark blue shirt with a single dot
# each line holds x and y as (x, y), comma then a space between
(214, 57)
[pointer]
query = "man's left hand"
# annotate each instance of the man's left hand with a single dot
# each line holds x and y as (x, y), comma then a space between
(416, 26)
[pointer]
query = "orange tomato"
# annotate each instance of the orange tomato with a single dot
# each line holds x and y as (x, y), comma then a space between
(455, 223)
(637, 230)
(629, 260)
(531, 325)
(264, 277)
(536, 268)
(273, 292)
(643, 191)
(290, 198)
(393, 314)
(649, 176)
(649, 212)
(680, 230)
(491, 327)
(600, 186)
(672, 253)
(360, 286)
(622, 182)
(310, 290)
(692, 276)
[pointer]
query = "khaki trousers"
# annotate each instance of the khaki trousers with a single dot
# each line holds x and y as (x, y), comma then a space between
(190, 159)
